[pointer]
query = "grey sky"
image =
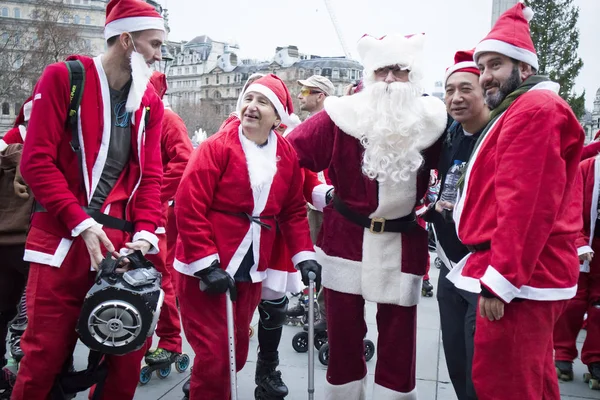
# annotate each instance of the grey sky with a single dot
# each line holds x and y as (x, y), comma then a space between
(259, 27)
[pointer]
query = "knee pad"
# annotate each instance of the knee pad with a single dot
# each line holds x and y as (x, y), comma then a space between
(273, 312)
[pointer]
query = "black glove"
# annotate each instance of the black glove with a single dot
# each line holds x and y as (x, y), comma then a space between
(329, 196)
(307, 266)
(215, 280)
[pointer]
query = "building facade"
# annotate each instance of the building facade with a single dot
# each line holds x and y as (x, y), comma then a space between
(591, 121)
(499, 6)
(209, 72)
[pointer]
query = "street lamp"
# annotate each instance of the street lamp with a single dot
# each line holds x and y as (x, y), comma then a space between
(167, 59)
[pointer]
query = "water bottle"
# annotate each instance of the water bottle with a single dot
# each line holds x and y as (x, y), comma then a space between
(450, 190)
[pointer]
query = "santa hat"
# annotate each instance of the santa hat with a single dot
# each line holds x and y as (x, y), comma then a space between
(597, 135)
(510, 36)
(158, 80)
(463, 62)
(406, 51)
(131, 16)
(273, 88)
(24, 113)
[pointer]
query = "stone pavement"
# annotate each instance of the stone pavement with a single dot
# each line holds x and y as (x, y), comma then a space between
(433, 382)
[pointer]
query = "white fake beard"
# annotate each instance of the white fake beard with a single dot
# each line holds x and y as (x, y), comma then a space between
(261, 168)
(140, 74)
(391, 122)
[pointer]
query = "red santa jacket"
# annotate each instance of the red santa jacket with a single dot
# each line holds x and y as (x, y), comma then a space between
(382, 267)
(214, 195)
(591, 150)
(590, 176)
(523, 194)
(50, 167)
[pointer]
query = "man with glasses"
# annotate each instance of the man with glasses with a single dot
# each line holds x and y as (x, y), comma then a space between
(314, 92)
(379, 146)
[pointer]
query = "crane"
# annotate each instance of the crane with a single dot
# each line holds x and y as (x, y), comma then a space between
(337, 29)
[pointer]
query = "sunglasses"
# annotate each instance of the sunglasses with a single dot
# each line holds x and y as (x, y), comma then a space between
(306, 92)
(397, 70)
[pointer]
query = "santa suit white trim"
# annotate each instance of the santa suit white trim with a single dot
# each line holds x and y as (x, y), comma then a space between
(22, 132)
(585, 266)
(54, 260)
(319, 195)
(383, 393)
(3, 145)
(355, 390)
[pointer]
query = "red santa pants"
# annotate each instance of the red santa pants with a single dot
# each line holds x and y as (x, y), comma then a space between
(396, 344)
(171, 242)
(169, 328)
(204, 319)
(54, 300)
(568, 326)
(513, 356)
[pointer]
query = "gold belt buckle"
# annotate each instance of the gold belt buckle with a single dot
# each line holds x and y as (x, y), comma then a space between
(377, 220)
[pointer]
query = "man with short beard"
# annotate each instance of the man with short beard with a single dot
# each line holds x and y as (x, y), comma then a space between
(377, 146)
(117, 173)
(519, 214)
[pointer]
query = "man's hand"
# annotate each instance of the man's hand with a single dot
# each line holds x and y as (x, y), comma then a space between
(142, 245)
(310, 266)
(586, 256)
(491, 308)
(20, 186)
(94, 237)
(443, 205)
(215, 280)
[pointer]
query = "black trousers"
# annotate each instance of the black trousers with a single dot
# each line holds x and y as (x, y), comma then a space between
(13, 277)
(458, 310)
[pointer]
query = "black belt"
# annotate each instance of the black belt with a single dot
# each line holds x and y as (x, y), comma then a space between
(375, 225)
(479, 247)
(101, 218)
(252, 218)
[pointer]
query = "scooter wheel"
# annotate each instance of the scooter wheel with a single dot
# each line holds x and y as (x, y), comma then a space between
(300, 342)
(162, 373)
(324, 354)
(369, 349)
(145, 375)
(182, 363)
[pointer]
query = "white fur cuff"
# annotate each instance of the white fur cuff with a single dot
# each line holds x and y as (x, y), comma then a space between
(148, 237)
(383, 393)
(355, 390)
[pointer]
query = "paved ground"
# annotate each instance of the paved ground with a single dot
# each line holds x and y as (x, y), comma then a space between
(433, 382)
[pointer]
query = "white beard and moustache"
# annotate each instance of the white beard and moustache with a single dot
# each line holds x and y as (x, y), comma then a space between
(140, 76)
(391, 123)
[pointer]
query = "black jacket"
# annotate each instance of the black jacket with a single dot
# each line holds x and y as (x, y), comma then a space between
(456, 146)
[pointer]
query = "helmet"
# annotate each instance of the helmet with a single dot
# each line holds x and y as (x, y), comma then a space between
(121, 310)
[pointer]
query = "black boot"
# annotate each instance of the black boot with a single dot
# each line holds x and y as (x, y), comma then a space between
(186, 388)
(564, 370)
(268, 378)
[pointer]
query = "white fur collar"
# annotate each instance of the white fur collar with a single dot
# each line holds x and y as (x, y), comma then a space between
(345, 112)
(262, 161)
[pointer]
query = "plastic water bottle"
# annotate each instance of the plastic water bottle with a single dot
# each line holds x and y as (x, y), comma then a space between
(450, 189)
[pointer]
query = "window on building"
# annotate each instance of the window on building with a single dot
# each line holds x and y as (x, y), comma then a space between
(317, 71)
(17, 107)
(206, 80)
(86, 1)
(228, 92)
(326, 72)
(335, 73)
(65, 19)
(353, 74)
(88, 20)
(76, 19)
(4, 37)
(5, 12)
(228, 80)
(206, 94)
(238, 92)
(76, 1)
(5, 108)
(217, 78)
(217, 94)
(17, 12)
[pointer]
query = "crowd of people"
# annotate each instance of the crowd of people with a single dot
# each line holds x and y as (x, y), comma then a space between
(268, 202)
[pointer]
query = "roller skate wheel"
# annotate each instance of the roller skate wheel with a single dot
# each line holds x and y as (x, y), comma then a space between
(182, 363)
(300, 342)
(369, 349)
(324, 354)
(251, 332)
(162, 373)
(145, 375)
(594, 384)
(586, 377)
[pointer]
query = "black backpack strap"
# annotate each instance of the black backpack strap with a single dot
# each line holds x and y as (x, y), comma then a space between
(76, 82)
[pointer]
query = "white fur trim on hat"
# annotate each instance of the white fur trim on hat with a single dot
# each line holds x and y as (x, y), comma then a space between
(269, 94)
(456, 67)
(393, 49)
(507, 49)
(132, 24)
(27, 107)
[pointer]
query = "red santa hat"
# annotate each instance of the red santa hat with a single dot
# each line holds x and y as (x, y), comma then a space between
(463, 62)
(597, 135)
(273, 88)
(395, 49)
(510, 36)
(24, 113)
(131, 16)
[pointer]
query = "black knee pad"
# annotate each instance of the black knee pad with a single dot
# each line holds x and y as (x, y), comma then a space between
(273, 312)
(596, 304)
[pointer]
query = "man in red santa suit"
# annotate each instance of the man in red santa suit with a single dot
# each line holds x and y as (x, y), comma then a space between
(120, 175)
(519, 214)
(587, 299)
(241, 185)
(176, 148)
(379, 146)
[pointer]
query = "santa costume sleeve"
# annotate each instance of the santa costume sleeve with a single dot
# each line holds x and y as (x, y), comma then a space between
(530, 183)
(591, 150)
(315, 192)
(40, 151)
(293, 222)
(313, 141)
(146, 210)
(586, 169)
(196, 249)
(178, 148)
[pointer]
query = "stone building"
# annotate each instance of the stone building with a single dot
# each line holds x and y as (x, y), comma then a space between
(591, 121)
